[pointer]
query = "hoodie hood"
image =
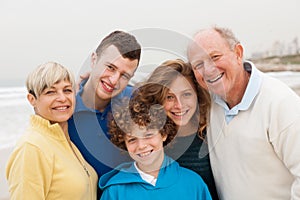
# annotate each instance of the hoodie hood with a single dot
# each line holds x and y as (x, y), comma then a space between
(126, 173)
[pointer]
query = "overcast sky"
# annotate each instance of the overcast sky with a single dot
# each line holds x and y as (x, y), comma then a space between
(66, 31)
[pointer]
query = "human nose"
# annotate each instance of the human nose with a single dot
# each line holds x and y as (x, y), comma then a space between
(114, 78)
(61, 96)
(142, 143)
(209, 67)
(177, 103)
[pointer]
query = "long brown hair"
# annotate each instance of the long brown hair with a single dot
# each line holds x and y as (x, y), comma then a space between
(154, 90)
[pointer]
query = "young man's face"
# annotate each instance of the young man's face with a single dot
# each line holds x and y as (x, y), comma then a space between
(111, 72)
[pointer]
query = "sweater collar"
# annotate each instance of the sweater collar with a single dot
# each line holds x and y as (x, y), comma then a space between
(46, 128)
(251, 92)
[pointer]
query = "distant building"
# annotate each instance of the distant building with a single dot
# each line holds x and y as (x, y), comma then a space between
(279, 49)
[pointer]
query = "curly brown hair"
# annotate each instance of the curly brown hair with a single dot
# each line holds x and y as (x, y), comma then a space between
(127, 112)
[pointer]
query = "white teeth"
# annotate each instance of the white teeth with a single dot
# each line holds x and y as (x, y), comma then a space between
(144, 154)
(61, 108)
(180, 113)
(215, 79)
(108, 87)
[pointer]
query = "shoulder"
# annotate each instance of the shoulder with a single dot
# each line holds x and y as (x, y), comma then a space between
(33, 138)
(36, 144)
(189, 174)
(277, 94)
(192, 182)
(275, 87)
(126, 92)
(123, 174)
(185, 174)
(27, 151)
(191, 177)
(36, 141)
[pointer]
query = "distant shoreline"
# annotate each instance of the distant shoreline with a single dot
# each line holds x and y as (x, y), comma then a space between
(268, 67)
(278, 63)
(273, 64)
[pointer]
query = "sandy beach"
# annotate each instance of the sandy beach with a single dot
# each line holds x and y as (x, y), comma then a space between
(4, 195)
(15, 112)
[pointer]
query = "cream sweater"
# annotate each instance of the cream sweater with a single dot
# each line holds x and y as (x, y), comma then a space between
(43, 166)
(257, 154)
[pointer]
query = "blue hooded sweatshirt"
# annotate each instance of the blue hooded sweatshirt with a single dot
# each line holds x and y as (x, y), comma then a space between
(173, 182)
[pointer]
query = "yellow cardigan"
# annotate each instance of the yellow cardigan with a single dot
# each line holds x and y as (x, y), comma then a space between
(43, 166)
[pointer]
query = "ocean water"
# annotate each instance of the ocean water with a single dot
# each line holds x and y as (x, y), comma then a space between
(14, 117)
(15, 111)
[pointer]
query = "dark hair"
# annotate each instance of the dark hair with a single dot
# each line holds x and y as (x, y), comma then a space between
(127, 113)
(126, 44)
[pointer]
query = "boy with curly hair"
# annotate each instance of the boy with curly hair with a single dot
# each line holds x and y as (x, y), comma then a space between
(143, 130)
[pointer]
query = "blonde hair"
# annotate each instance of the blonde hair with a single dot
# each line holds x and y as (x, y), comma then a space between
(46, 75)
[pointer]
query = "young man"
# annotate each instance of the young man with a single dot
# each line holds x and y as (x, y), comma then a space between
(254, 130)
(112, 66)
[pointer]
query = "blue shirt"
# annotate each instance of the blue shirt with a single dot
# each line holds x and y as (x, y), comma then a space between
(173, 182)
(250, 93)
(88, 130)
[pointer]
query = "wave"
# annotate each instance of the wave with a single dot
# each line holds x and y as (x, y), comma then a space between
(11, 96)
(292, 79)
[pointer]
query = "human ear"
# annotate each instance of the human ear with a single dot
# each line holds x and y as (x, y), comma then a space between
(164, 137)
(31, 98)
(239, 51)
(94, 58)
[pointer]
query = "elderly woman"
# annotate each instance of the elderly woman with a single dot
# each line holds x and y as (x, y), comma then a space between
(45, 164)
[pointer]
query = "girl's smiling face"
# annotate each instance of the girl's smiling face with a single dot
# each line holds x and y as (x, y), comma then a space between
(181, 101)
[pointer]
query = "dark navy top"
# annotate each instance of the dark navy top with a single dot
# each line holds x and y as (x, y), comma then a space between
(88, 130)
(192, 152)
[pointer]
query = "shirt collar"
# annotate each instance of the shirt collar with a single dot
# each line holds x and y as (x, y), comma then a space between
(80, 106)
(146, 177)
(250, 93)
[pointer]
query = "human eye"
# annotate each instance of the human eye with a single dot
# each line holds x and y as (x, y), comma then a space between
(187, 94)
(149, 134)
(110, 67)
(215, 57)
(49, 91)
(131, 140)
(126, 76)
(198, 65)
(68, 90)
(170, 97)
